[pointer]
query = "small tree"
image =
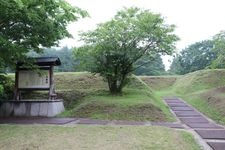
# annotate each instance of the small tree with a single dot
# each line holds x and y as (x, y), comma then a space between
(27, 25)
(114, 47)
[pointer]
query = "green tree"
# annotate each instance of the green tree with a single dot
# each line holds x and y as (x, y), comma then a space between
(176, 67)
(113, 48)
(27, 25)
(149, 66)
(195, 57)
(219, 49)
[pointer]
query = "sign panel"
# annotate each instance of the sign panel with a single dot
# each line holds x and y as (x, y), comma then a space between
(33, 80)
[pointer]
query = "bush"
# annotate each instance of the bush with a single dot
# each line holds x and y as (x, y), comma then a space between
(6, 88)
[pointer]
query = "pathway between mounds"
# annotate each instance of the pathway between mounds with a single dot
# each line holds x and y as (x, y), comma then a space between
(73, 121)
(212, 133)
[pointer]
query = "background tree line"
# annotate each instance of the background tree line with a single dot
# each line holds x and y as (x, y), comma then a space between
(207, 54)
(149, 66)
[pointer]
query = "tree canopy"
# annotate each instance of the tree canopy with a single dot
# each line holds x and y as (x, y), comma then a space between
(31, 25)
(219, 49)
(195, 57)
(114, 46)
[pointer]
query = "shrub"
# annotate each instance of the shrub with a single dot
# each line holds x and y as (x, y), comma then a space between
(6, 87)
(1, 90)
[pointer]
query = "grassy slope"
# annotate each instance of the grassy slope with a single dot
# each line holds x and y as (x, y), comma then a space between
(159, 82)
(83, 137)
(202, 89)
(86, 95)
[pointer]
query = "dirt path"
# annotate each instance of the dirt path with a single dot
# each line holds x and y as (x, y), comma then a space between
(212, 133)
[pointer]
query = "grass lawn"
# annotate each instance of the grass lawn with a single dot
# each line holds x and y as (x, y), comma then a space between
(84, 137)
(202, 89)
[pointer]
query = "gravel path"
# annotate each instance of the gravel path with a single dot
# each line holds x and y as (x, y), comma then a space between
(211, 133)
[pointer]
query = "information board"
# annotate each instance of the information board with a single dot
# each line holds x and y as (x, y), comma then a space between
(28, 79)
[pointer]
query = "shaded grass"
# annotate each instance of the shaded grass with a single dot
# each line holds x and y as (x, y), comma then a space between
(83, 137)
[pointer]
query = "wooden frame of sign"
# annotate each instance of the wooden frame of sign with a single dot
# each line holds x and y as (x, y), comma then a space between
(41, 79)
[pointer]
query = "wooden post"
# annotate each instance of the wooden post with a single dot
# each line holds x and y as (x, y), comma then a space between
(52, 94)
(51, 82)
(16, 92)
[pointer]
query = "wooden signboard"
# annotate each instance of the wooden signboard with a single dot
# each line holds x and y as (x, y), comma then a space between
(28, 79)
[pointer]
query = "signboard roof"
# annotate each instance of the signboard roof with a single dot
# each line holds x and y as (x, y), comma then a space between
(43, 61)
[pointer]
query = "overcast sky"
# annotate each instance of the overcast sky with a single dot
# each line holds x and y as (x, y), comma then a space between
(195, 20)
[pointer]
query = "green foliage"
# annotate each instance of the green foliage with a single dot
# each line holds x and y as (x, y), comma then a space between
(149, 66)
(176, 67)
(31, 25)
(68, 63)
(113, 48)
(195, 57)
(66, 56)
(219, 49)
(1, 90)
(6, 87)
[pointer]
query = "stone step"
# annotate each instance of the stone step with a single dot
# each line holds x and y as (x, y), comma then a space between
(173, 101)
(187, 114)
(186, 108)
(204, 125)
(212, 134)
(177, 104)
(217, 145)
(194, 120)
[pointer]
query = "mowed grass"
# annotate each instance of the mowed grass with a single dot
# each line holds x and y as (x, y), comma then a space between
(86, 96)
(84, 137)
(202, 89)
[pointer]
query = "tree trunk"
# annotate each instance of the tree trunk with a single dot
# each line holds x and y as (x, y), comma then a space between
(116, 85)
(113, 87)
